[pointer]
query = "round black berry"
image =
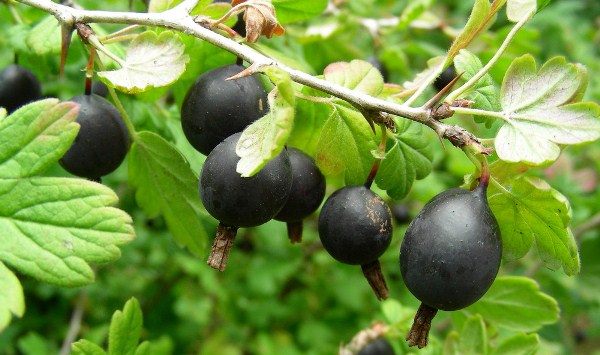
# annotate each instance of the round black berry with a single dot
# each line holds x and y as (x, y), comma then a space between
(243, 201)
(99, 88)
(451, 251)
(379, 346)
(102, 142)
(18, 86)
(215, 108)
(306, 194)
(355, 225)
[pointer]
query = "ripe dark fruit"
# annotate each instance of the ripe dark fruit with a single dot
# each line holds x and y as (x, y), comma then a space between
(240, 201)
(18, 86)
(215, 108)
(401, 213)
(445, 78)
(355, 227)
(306, 194)
(379, 346)
(102, 142)
(450, 254)
(99, 88)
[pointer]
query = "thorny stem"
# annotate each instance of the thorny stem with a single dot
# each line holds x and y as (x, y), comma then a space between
(179, 19)
(511, 35)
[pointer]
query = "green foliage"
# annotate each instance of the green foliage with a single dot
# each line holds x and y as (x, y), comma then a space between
(280, 298)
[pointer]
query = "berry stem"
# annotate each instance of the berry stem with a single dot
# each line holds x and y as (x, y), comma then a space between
(375, 166)
(294, 230)
(373, 274)
(419, 332)
(89, 71)
(221, 247)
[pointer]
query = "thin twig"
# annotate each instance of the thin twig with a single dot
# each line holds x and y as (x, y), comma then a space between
(74, 323)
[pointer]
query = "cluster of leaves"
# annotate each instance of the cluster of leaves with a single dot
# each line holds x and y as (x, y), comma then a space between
(54, 227)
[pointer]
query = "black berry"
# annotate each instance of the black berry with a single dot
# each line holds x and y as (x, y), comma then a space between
(241, 201)
(451, 251)
(100, 89)
(355, 227)
(306, 194)
(18, 86)
(401, 213)
(215, 108)
(379, 346)
(445, 78)
(102, 142)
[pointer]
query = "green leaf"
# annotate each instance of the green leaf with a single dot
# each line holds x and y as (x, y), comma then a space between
(482, 16)
(518, 344)
(36, 136)
(51, 228)
(86, 347)
(357, 75)
(518, 9)
(532, 212)
(473, 336)
(12, 300)
(125, 329)
(166, 184)
(345, 145)
(307, 128)
(516, 303)
(45, 37)
(408, 159)
(288, 11)
(265, 138)
(151, 61)
(484, 93)
(538, 112)
(541, 4)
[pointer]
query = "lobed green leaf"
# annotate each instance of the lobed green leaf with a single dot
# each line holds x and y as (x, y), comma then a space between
(516, 303)
(35, 137)
(357, 75)
(151, 61)
(45, 37)
(409, 159)
(125, 329)
(166, 184)
(345, 145)
(532, 213)
(539, 111)
(473, 336)
(52, 228)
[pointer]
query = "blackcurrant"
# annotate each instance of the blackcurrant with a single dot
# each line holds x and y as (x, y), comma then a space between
(102, 142)
(306, 194)
(100, 89)
(451, 251)
(445, 78)
(379, 346)
(355, 227)
(401, 213)
(18, 86)
(215, 108)
(241, 201)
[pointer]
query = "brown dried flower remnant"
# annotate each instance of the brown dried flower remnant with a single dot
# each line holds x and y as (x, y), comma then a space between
(260, 19)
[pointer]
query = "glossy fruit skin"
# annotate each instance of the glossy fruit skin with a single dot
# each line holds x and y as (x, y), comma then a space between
(239, 201)
(451, 251)
(102, 142)
(308, 188)
(379, 346)
(214, 109)
(445, 78)
(355, 225)
(18, 86)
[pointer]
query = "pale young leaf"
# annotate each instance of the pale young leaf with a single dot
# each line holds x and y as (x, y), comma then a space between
(151, 61)
(12, 300)
(519, 9)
